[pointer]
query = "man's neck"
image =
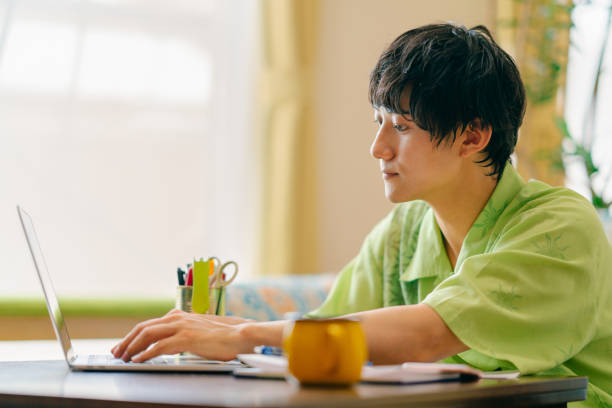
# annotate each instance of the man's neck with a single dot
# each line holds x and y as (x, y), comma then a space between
(457, 210)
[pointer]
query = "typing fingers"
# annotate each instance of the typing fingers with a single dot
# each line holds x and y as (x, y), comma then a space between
(147, 336)
(170, 345)
(120, 348)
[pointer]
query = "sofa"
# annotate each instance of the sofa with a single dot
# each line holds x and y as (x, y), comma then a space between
(278, 297)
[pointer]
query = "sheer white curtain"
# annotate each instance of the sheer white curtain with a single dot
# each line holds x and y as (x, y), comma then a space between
(587, 37)
(126, 132)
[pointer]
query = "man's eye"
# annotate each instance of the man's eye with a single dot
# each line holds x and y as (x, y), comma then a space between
(400, 128)
(377, 122)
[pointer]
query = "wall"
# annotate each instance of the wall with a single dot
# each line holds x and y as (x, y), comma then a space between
(353, 34)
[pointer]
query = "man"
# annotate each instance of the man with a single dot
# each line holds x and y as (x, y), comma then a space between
(474, 265)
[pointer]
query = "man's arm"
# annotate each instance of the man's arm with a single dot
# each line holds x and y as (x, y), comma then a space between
(394, 335)
(209, 336)
(407, 333)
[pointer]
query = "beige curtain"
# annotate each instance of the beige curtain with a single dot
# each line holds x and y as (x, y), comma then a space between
(536, 33)
(288, 137)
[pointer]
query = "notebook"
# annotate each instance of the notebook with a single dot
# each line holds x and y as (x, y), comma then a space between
(78, 362)
(265, 366)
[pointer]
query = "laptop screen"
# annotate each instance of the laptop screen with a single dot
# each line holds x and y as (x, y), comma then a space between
(57, 319)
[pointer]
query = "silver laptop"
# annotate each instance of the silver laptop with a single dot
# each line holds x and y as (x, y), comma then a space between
(104, 362)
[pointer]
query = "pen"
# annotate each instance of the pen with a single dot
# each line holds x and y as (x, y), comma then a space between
(219, 299)
(190, 277)
(181, 276)
(268, 350)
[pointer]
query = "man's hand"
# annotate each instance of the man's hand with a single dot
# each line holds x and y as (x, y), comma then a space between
(208, 336)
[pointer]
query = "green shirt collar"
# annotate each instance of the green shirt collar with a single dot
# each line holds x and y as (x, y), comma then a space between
(430, 258)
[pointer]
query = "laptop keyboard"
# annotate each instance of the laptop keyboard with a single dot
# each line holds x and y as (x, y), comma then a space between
(104, 359)
(108, 359)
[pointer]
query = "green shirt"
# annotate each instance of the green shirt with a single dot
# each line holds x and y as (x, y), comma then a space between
(531, 290)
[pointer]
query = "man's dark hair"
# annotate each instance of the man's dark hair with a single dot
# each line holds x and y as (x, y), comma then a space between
(455, 76)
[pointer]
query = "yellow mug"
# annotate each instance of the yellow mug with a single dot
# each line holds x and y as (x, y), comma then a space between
(325, 351)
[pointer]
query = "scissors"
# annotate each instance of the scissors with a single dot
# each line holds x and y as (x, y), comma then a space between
(220, 278)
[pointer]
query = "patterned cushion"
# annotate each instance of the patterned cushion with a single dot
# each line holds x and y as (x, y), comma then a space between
(271, 298)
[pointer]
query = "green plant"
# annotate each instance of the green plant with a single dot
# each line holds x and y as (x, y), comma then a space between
(573, 148)
(537, 34)
(581, 149)
(541, 25)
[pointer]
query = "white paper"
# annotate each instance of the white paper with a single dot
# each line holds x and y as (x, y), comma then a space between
(400, 373)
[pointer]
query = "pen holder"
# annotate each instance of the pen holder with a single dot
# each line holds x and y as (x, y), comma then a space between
(183, 298)
(184, 295)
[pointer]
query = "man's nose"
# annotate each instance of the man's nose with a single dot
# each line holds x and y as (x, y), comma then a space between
(381, 149)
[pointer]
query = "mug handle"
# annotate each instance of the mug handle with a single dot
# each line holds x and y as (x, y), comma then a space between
(336, 335)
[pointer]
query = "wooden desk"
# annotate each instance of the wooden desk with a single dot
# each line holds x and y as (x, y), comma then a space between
(51, 384)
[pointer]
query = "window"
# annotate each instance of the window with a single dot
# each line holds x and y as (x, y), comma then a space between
(127, 135)
(587, 39)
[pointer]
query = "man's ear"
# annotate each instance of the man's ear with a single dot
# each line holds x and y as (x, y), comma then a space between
(474, 138)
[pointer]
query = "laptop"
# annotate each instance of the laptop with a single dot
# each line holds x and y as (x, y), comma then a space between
(107, 362)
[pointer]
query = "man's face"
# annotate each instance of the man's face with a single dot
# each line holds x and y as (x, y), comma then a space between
(412, 166)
